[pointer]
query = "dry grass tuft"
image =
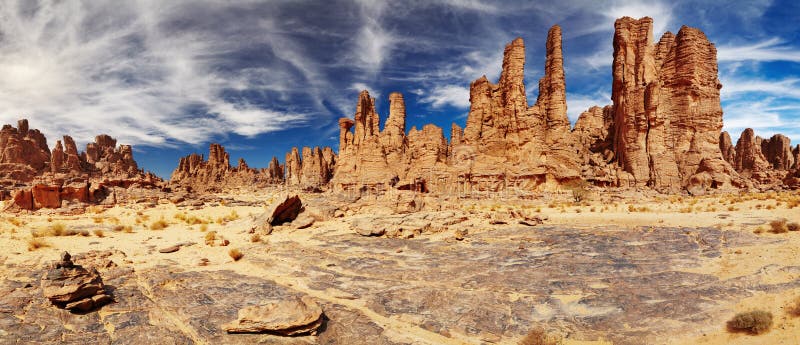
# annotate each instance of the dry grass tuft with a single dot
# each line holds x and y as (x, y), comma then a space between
(255, 238)
(99, 233)
(36, 243)
(235, 254)
(160, 224)
(539, 336)
(753, 322)
(203, 227)
(794, 309)
(210, 237)
(778, 226)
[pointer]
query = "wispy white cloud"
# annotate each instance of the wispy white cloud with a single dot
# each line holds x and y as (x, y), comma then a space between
(578, 103)
(452, 95)
(472, 5)
(374, 43)
(119, 68)
(737, 85)
(772, 49)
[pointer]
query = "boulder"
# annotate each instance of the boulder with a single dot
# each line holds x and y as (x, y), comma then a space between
(292, 317)
(284, 210)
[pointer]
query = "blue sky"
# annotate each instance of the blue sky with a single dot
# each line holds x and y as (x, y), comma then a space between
(259, 77)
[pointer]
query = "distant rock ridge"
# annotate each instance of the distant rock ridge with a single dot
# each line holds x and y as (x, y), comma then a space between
(216, 174)
(33, 177)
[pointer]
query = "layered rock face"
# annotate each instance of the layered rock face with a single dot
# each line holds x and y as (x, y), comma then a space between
(311, 170)
(667, 112)
(216, 174)
(594, 134)
(506, 143)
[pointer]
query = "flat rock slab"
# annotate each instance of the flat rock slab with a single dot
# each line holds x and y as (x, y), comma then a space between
(170, 249)
(291, 317)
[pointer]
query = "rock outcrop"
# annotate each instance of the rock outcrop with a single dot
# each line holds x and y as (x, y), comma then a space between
(38, 178)
(312, 170)
(506, 143)
(778, 152)
(217, 174)
(667, 111)
(23, 153)
(291, 317)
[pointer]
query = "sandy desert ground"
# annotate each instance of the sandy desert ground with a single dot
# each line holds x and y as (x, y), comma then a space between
(665, 270)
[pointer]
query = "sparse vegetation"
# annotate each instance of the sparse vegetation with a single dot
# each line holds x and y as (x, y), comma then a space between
(160, 224)
(36, 243)
(753, 322)
(99, 233)
(235, 254)
(793, 226)
(778, 226)
(210, 237)
(204, 227)
(794, 309)
(123, 228)
(255, 238)
(57, 229)
(540, 336)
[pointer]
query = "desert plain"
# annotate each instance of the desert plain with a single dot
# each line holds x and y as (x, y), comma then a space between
(621, 269)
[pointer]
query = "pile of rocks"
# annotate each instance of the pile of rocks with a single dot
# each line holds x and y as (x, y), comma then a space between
(72, 287)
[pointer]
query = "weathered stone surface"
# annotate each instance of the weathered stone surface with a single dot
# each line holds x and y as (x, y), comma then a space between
(778, 152)
(667, 111)
(750, 161)
(295, 316)
(23, 152)
(594, 134)
(727, 148)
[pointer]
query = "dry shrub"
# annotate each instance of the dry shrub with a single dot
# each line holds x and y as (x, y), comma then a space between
(753, 322)
(159, 225)
(123, 228)
(255, 238)
(793, 226)
(203, 227)
(56, 229)
(778, 226)
(36, 243)
(235, 254)
(540, 336)
(794, 309)
(210, 237)
(99, 233)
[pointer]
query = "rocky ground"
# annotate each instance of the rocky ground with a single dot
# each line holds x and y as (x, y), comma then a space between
(466, 271)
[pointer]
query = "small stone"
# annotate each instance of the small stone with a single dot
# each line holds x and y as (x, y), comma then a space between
(170, 249)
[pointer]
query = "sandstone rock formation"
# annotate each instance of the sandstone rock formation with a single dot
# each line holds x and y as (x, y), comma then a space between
(216, 174)
(312, 170)
(73, 287)
(505, 144)
(38, 178)
(663, 129)
(23, 153)
(292, 317)
(666, 106)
